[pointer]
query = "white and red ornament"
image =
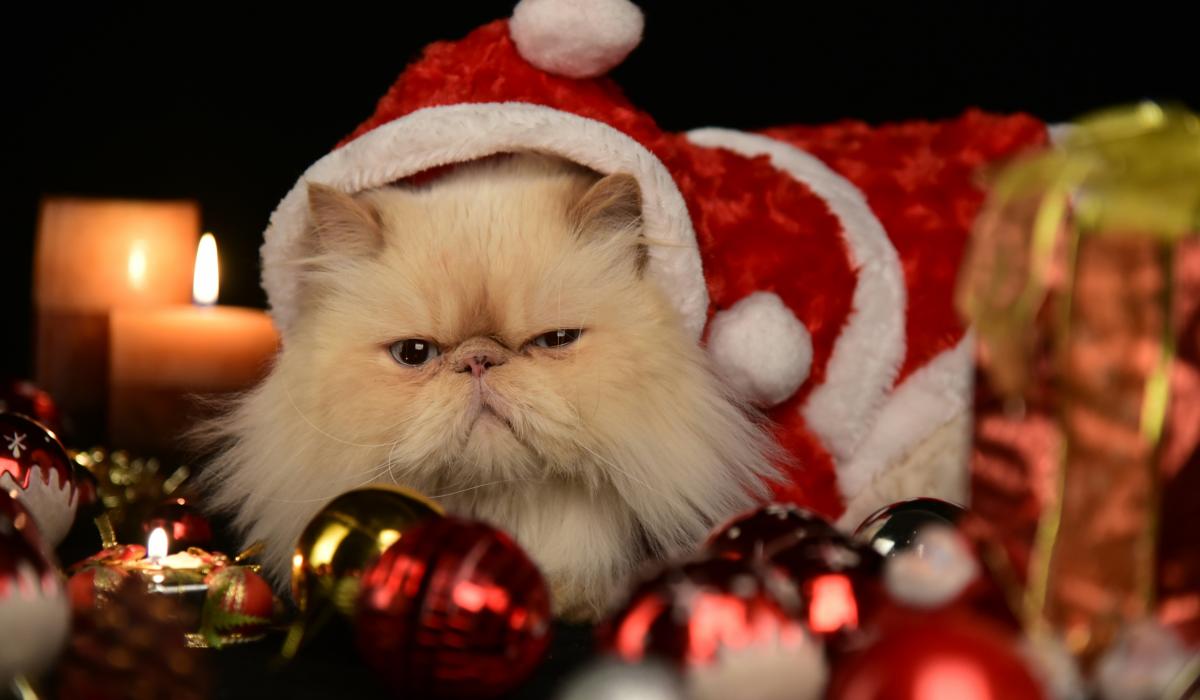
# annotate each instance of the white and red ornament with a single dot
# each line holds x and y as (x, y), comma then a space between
(34, 612)
(35, 466)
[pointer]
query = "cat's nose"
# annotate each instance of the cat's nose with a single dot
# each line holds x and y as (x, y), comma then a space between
(479, 363)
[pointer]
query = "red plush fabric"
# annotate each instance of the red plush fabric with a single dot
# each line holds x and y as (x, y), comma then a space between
(920, 179)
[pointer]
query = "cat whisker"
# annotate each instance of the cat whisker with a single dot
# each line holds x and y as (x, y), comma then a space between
(291, 400)
(479, 486)
(621, 471)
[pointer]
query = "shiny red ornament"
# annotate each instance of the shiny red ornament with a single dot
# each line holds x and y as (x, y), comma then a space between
(893, 528)
(935, 656)
(758, 533)
(454, 609)
(839, 583)
(24, 397)
(35, 465)
(184, 525)
(690, 614)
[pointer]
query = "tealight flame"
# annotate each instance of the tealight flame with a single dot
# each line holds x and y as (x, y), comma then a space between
(206, 281)
(156, 546)
(137, 264)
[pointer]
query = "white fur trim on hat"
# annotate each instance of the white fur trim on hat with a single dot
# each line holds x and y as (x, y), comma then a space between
(576, 38)
(760, 346)
(868, 353)
(457, 133)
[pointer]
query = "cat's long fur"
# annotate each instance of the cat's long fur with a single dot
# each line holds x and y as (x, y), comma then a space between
(622, 446)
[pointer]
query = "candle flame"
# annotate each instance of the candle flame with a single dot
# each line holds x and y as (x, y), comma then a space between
(137, 264)
(206, 282)
(156, 546)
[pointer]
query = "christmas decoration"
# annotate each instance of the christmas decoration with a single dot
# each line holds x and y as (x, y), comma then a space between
(815, 262)
(133, 490)
(454, 609)
(33, 606)
(1148, 662)
(237, 607)
(691, 613)
(613, 680)
(133, 646)
(933, 569)
(838, 582)
(25, 397)
(937, 656)
(346, 537)
(758, 534)
(91, 585)
(1084, 283)
(185, 526)
(35, 466)
(894, 528)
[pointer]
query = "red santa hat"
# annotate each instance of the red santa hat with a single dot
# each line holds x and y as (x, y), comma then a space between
(817, 264)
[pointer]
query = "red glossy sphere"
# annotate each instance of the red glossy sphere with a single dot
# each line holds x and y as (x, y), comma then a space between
(24, 397)
(691, 613)
(34, 463)
(933, 657)
(240, 591)
(454, 609)
(758, 533)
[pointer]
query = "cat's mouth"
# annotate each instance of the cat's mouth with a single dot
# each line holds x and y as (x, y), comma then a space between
(487, 415)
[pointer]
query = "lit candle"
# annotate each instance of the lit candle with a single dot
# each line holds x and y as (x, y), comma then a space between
(163, 358)
(93, 256)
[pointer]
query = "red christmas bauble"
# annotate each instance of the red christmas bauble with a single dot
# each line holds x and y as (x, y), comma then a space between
(893, 528)
(941, 655)
(240, 594)
(184, 525)
(24, 397)
(692, 613)
(34, 464)
(34, 612)
(454, 609)
(838, 581)
(758, 533)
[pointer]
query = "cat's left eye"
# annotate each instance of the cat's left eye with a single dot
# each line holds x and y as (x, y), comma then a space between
(558, 338)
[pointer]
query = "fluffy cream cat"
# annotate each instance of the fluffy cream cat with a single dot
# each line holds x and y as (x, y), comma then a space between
(490, 340)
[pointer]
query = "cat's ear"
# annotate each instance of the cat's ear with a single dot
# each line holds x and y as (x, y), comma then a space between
(613, 206)
(342, 224)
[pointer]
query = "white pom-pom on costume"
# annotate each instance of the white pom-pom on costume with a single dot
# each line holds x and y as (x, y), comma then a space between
(760, 346)
(576, 38)
(933, 570)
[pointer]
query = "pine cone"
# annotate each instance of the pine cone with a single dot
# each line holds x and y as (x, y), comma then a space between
(132, 647)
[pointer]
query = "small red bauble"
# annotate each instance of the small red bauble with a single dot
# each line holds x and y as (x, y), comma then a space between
(838, 581)
(894, 528)
(24, 397)
(35, 465)
(184, 525)
(691, 614)
(937, 656)
(92, 584)
(244, 601)
(758, 533)
(454, 609)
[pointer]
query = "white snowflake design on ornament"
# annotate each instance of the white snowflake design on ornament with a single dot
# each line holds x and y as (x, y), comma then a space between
(16, 443)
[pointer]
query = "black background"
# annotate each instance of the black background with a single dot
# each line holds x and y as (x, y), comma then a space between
(228, 103)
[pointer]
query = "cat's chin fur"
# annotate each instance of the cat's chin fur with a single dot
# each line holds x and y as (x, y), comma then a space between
(621, 447)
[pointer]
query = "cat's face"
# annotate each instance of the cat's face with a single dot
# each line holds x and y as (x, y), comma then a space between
(487, 328)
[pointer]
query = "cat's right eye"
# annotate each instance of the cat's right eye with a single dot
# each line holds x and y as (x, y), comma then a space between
(413, 352)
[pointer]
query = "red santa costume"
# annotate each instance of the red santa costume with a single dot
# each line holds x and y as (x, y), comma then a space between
(816, 263)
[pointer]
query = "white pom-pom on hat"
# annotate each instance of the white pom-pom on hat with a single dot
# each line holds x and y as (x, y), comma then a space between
(933, 571)
(762, 349)
(576, 38)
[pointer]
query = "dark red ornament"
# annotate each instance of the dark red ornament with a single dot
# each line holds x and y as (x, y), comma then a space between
(454, 609)
(91, 585)
(34, 464)
(838, 582)
(184, 525)
(938, 655)
(24, 397)
(240, 601)
(892, 529)
(690, 613)
(758, 533)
